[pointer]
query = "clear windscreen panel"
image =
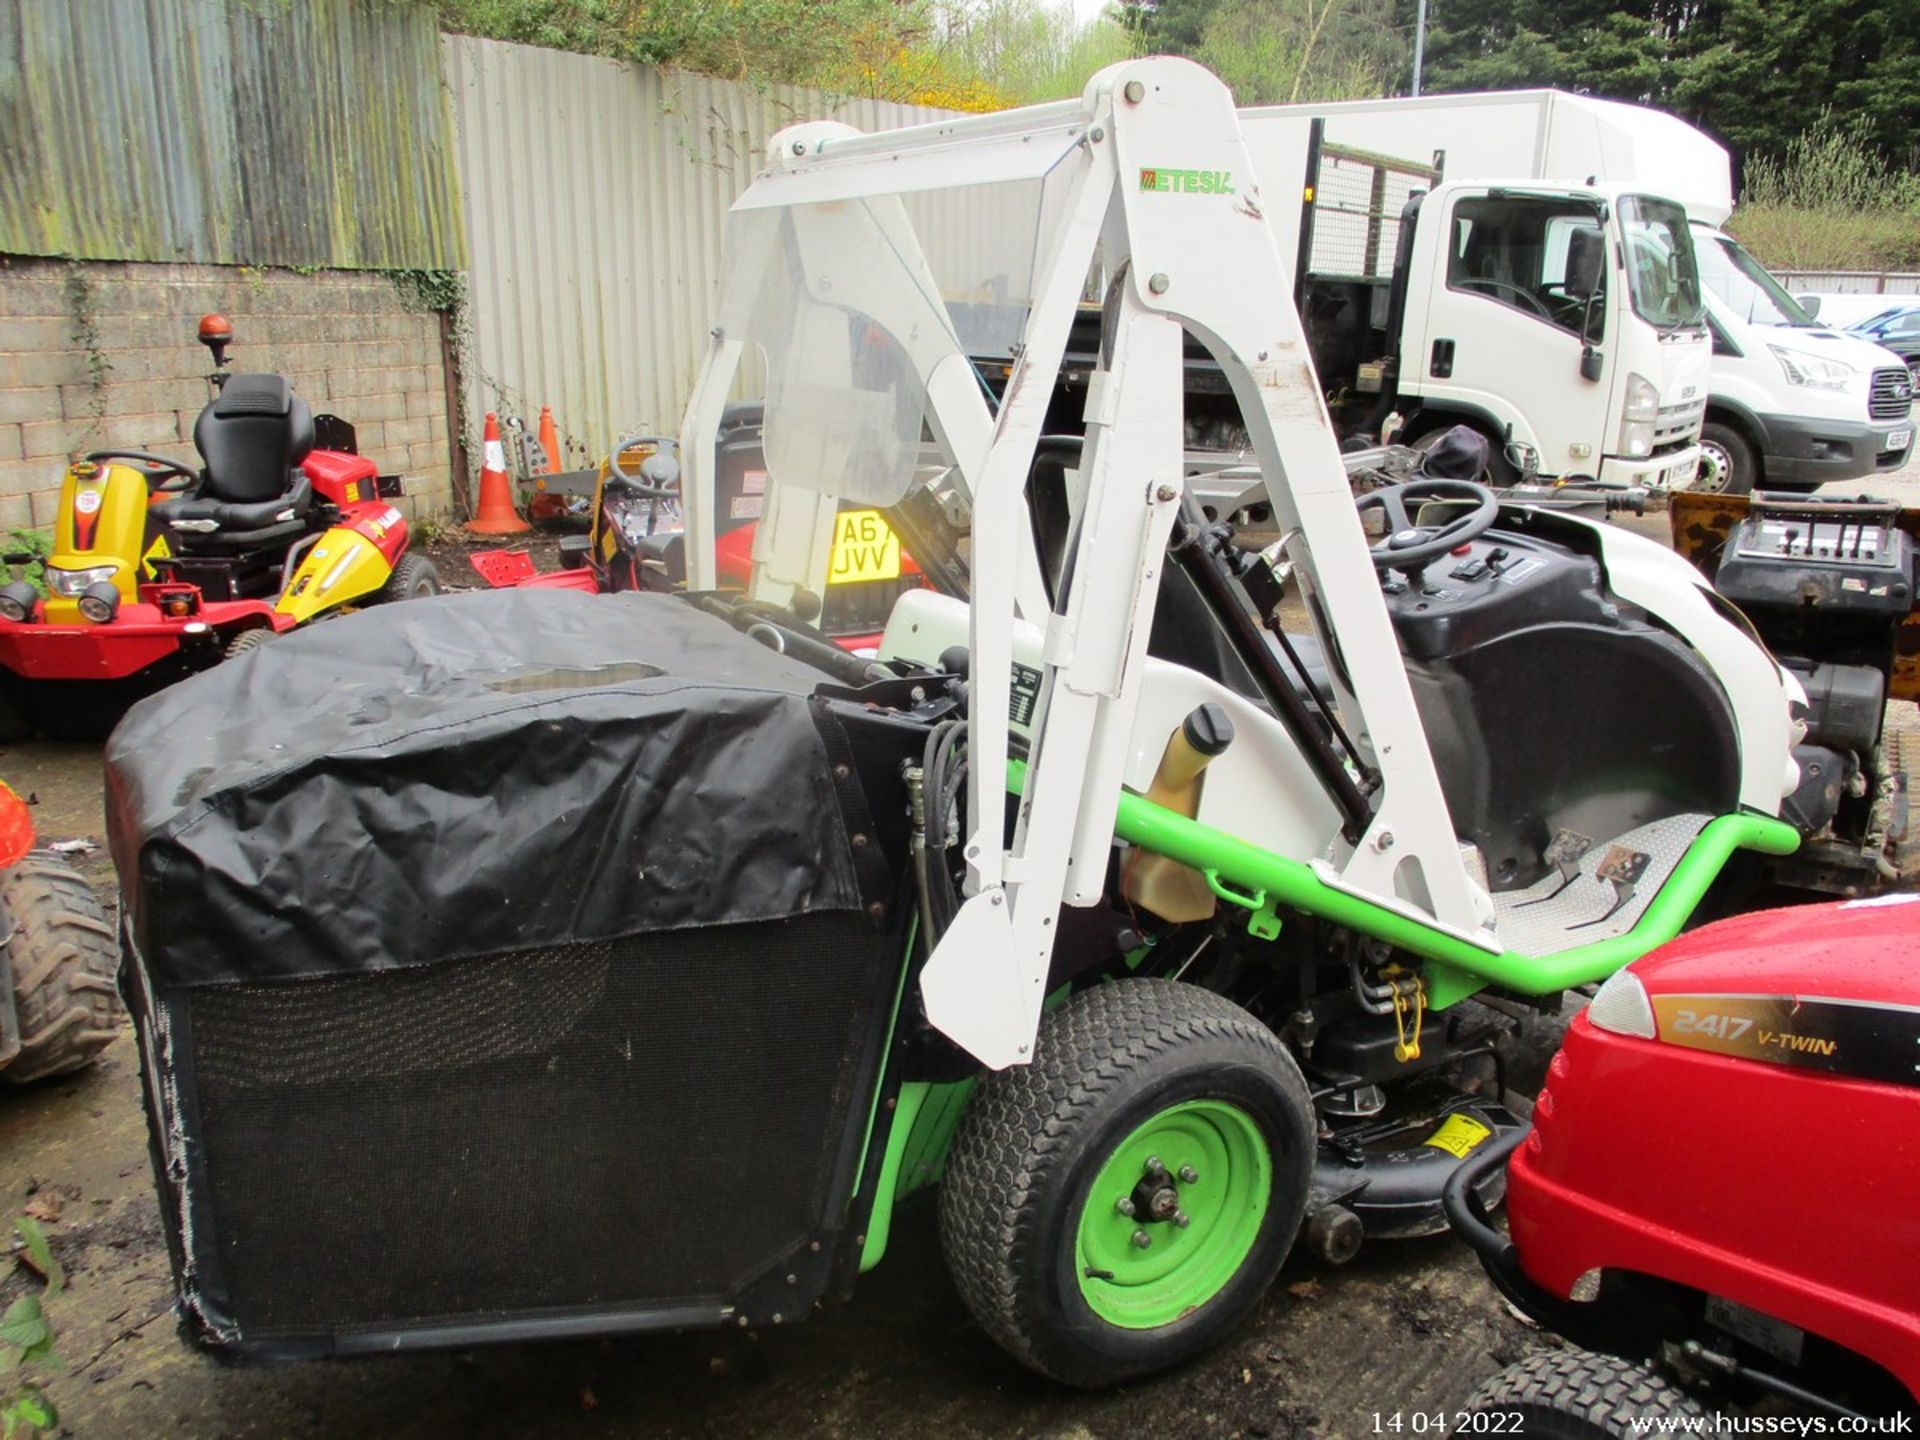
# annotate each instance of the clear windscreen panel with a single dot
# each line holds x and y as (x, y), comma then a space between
(853, 309)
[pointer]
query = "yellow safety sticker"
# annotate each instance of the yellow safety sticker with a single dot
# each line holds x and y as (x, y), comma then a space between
(1460, 1136)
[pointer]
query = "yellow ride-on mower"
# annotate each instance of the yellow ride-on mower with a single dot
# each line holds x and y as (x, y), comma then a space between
(159, 569)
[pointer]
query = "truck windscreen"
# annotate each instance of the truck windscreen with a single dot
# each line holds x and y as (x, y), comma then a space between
(1749, 291)
(1663, 275)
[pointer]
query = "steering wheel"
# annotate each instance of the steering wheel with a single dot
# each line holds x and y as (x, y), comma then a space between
(154, 467)
(659, 477)
(1520, 292)
(1409, 546)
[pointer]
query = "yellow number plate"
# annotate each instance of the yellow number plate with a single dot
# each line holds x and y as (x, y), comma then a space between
(864, 548)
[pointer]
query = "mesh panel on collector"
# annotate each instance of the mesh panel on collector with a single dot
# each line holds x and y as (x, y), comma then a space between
(581, 1126)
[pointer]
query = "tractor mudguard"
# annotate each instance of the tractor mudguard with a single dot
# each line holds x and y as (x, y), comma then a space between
(350, 562)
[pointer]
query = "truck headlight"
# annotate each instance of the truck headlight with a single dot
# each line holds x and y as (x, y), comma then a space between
(72, 583)
(1638, 417)
(1816, 372)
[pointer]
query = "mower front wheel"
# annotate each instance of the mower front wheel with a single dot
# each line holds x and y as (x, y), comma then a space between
(1578, 1395)
(1123, 1202)
(413, 578)
(249, 640)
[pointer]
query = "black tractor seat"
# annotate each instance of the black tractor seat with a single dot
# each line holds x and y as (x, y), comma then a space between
(197, 521)
(252, 436)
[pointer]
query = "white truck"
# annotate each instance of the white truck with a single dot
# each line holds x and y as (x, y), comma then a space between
(1790, 404)
(1562, 320)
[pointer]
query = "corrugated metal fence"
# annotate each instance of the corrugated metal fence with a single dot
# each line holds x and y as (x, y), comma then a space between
(596, 196)
(310, 133)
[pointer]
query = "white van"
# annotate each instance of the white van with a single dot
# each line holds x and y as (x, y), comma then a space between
(1794, 404)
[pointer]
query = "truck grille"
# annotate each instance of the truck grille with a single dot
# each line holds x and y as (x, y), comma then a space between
(1892, 395)
(1678, 423)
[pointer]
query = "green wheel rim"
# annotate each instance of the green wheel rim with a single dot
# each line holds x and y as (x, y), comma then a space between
(1181, 1267)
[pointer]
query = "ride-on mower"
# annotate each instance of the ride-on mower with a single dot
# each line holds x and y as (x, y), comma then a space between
(1153, 937)
(1757, 1242)
(635, 540)
(158, 570)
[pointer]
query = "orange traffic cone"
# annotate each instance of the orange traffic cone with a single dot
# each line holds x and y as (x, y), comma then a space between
(550, 440)
(547, 506)
(495, 514)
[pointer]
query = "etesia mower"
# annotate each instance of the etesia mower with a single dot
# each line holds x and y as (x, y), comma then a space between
(1088, 898)
(158, 569)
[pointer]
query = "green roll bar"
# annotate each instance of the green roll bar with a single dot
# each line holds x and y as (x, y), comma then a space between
(1260, 881)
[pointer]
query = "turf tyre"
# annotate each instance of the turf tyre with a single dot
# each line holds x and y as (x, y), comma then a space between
(1578, 1395)
(413, 578)
(1034, 1139)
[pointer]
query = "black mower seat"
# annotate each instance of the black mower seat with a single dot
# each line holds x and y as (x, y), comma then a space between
(199, 522)
(252, 437)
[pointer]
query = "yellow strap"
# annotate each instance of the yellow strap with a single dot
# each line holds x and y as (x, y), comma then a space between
(1408, 1048)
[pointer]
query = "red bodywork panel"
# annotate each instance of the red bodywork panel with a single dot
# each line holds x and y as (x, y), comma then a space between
(1744, 1160)
(381, 522)
(16, 826)
(514, 569)
(342, 478)
(139, 636)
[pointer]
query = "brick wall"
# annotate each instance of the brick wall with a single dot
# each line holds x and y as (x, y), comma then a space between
(345, 338)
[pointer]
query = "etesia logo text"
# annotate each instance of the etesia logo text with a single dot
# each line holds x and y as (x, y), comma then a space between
(1188, 182)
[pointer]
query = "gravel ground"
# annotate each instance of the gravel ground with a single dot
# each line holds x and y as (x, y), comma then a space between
(1405, 1327)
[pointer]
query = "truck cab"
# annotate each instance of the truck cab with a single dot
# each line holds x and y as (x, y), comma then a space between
(1566, 322)
(1794, 403)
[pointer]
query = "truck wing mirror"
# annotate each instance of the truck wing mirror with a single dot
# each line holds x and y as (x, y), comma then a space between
(1586, 250)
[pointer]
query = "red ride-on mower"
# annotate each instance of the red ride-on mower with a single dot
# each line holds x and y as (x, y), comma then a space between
(158, 569)
(1719, 1199)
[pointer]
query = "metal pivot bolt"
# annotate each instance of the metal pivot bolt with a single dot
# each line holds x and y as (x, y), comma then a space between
(1165, 493)
(1189, 1175)
(1142, 1239)
(1383, 842)
(1135, 92)
(1158, 282)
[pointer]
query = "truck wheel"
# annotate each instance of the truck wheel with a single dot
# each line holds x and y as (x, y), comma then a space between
(63, 955)
(414, 577)
(1577, 1395)
(1124, 1202)
(1728, 465)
